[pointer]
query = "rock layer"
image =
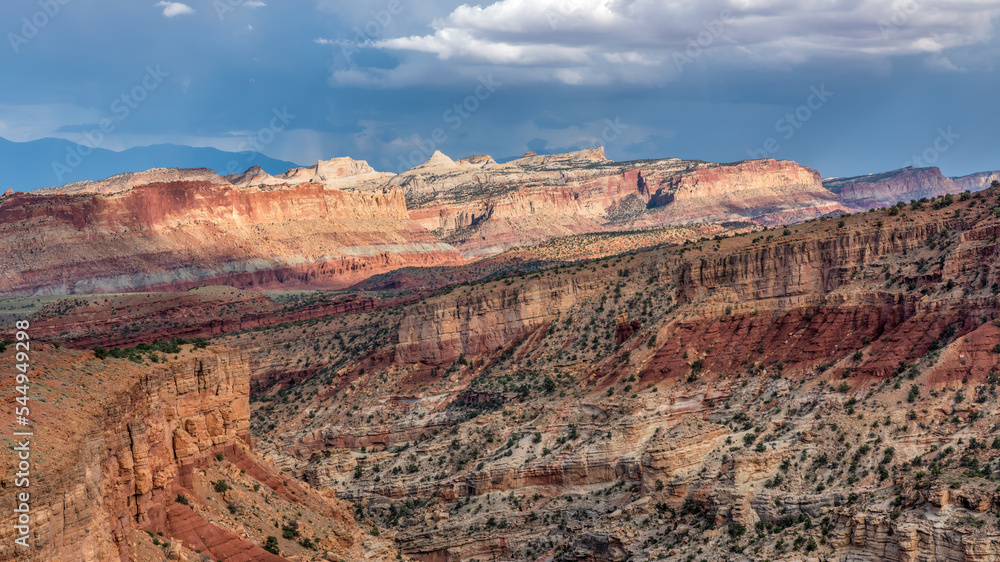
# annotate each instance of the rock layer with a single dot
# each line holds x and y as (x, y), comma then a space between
(881, 190)
(489, 208)
(110, 460)
(185, 234)
(133, 443)
(341, 222)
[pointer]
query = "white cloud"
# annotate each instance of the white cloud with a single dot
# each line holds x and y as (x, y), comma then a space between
(465, 45)
(255, 4)
(174, 9)
(599, 41)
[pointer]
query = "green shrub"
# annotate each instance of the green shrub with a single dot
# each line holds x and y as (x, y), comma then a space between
(271, 545)
(736, 530)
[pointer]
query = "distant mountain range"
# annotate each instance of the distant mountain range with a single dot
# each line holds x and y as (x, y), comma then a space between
(52, 162)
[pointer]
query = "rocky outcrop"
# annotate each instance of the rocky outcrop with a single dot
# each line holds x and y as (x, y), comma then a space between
(338, 168)
(255, 175)
(977, 181)
(478, 160)
(625, 329)
(884, 189)
(877, 536)
(486, 209)
(125, 182)
(115, 453)
(439, 330)
(127, 450)
(767, 192)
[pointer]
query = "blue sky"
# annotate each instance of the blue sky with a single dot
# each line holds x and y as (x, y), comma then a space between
(847, 88)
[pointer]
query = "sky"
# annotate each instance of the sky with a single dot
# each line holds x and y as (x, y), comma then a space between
(845, 87)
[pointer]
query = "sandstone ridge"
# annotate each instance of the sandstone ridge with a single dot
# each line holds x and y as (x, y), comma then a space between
(340, 222)
(182, 234)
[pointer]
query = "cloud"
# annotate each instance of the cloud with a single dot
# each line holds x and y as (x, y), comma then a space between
(941, 63)
(254, 4)
(174, 9)
(602, 41)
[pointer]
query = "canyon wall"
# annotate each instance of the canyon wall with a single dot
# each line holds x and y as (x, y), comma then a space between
(111, 464)
(338, 223)
(977, 181)
(767, 192)
(486, 208)
(119, 444)
(884, 189)
(173, 236)
(465, 322)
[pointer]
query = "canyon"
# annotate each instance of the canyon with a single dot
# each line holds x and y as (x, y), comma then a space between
(825, 390)
(554, 358)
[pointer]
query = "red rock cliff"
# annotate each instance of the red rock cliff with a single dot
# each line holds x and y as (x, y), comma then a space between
(117, 443)
(117, 453)
(184, 234)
